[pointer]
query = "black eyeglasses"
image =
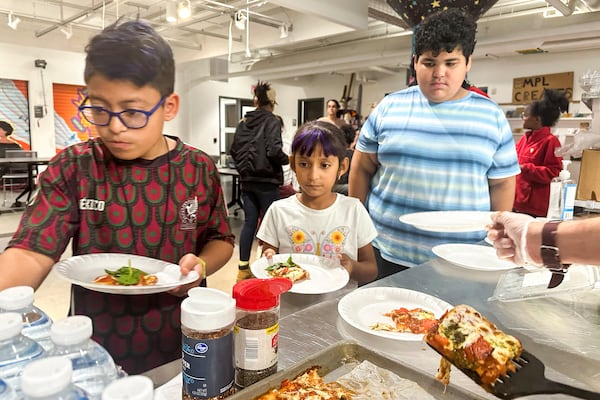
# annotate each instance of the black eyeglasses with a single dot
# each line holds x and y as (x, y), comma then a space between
(131, 118)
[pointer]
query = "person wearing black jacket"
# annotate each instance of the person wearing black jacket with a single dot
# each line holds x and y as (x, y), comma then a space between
(258, 156)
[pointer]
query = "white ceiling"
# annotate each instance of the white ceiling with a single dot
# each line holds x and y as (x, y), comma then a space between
(368, 38)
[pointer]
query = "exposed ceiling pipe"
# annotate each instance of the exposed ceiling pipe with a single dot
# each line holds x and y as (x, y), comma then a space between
(73, 18)
(565, 9)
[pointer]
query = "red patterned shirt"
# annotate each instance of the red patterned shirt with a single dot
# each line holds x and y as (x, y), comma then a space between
(161, 208)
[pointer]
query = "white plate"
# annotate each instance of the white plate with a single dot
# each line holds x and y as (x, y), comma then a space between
(325, 274)
(472, 256)
(365, 307)
(82, 270)
(449, 221)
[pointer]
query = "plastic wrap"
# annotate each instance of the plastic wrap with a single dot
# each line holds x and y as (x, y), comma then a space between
(567, 315)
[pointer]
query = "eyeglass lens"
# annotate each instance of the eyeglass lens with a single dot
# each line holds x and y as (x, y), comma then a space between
(129, 118)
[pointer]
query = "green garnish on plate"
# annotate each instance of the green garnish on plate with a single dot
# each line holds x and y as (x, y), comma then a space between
(288, 263)
(127, 275)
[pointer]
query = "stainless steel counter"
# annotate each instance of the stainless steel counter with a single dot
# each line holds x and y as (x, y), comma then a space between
(535, 322)
(532, 321)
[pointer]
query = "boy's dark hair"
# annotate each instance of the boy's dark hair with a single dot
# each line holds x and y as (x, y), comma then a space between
(6, 127)
(349, 133)
(313, 133)
(549, 108)
(445, 31)
(132, 51)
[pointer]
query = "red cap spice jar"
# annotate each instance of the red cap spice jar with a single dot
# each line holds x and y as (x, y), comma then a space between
(207, 319)
(256, 330)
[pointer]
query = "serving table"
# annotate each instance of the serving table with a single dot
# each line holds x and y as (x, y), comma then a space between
(541, 324)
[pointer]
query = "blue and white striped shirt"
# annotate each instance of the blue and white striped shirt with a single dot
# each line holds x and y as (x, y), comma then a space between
(434, 157)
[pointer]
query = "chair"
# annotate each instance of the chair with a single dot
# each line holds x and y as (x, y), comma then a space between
(16, 175)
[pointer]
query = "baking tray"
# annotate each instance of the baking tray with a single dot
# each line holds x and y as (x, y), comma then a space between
(339, 359)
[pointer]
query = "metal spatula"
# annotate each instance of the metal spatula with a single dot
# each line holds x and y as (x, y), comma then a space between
(528, 379)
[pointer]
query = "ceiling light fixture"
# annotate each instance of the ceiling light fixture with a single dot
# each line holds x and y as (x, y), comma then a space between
(239, 19)
(13, 21)
(184, 9)
(565, 9)
(67, 31)
(171, 11)
(283, 31)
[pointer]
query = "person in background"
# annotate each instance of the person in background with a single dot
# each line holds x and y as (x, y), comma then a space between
(132, 190)
(259, 157)
(536, 152)
(518, 237)
(6, 130)
(435, 146)
(333, 109)
(349, 137)
(317, 220)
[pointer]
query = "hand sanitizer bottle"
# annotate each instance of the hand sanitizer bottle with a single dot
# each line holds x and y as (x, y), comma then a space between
(562, 195)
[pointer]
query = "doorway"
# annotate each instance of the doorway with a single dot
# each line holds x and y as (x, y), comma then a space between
(231, 111)
(310, 109)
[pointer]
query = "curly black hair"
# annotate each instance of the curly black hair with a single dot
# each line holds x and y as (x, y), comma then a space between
(549, 108)
(445, 31)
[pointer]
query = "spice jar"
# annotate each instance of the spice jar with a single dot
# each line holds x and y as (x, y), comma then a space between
(256, 331)
(207, 319)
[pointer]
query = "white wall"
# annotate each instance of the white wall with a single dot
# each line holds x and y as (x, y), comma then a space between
(198, 123)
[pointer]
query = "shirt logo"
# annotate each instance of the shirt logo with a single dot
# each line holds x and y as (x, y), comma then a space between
(91, 204)
(187, 213)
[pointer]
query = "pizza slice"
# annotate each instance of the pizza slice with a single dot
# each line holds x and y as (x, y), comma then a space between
(308, 385)
(471, 342)
(416, 320)
(288, 269)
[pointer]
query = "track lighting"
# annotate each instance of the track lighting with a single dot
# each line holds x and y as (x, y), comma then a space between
(67, 31)
(171, 12)
(239, 19)
(13, 21)
(184, 10)
(283, 31)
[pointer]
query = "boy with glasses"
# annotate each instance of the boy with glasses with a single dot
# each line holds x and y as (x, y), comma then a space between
(132, 190)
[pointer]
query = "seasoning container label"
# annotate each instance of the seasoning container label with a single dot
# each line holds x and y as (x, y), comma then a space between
(256, 349)
(207, 366)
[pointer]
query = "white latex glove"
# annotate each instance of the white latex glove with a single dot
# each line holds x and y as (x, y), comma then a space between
(508, 232)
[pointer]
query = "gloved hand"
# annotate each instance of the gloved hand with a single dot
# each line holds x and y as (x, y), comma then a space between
(508, 232)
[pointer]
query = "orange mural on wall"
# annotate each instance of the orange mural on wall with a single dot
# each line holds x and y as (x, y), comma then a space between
(69, 125)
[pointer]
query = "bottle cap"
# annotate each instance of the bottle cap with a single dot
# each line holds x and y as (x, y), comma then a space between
(15, 298)
(260, 294)
(135, 387)
(71, 330)
(10, 325)
(45, 377)
(207, 309)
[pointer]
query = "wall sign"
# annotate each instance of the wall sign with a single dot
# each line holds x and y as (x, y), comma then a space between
(531, 88)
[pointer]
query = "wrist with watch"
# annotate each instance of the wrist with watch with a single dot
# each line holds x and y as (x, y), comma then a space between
(551, 254)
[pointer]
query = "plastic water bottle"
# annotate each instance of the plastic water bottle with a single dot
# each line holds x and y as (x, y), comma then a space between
(135, 387)
(93, 366)
(50, 379)
(16, 350)
(36, 323)
(6, 391)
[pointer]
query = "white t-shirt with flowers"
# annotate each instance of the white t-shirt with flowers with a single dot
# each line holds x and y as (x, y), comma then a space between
(344, 227)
